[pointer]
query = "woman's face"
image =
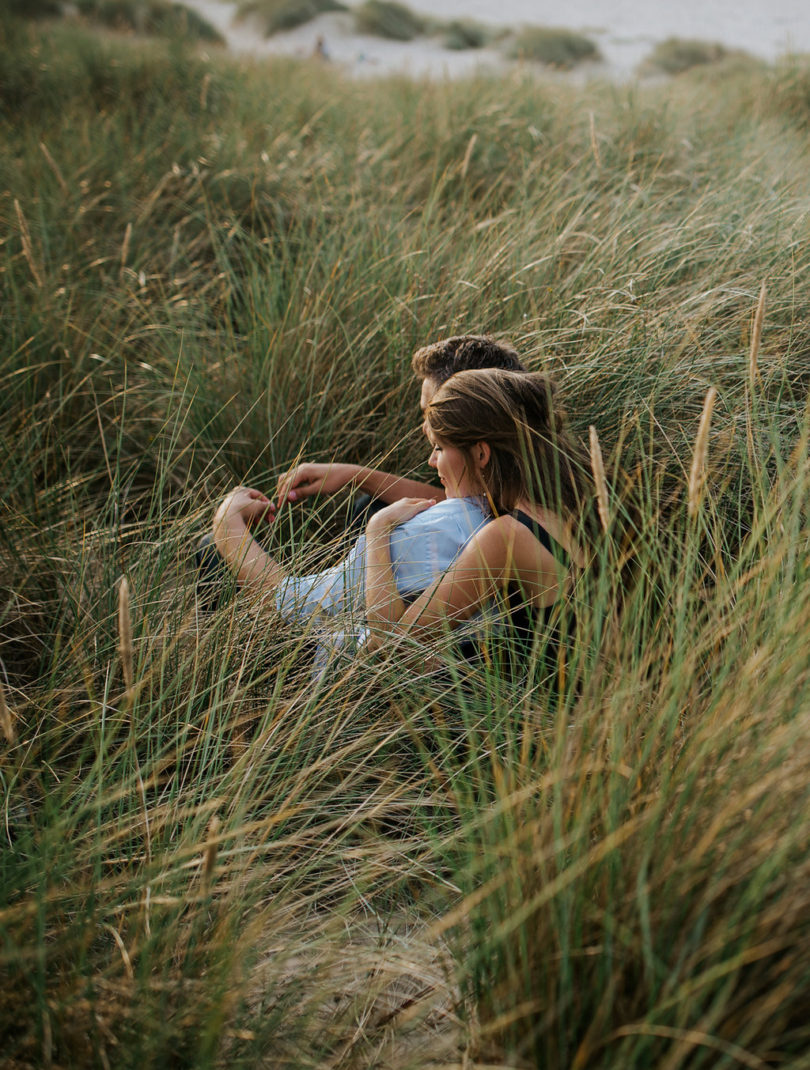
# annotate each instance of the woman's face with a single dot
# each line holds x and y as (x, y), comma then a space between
(456, 474)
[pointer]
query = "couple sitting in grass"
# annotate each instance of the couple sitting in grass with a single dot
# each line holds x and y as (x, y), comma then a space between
(498, 534)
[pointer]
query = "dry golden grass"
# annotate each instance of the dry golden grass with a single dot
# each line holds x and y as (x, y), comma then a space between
(125, 648)
(598, 470)
(6, 717)
(756, 336)
(697, 473)
(27, 247)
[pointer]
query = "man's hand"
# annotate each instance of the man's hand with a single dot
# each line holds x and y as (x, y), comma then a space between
(313, 478)
(245, 504)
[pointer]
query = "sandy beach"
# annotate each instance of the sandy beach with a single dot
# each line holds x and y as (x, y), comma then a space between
(625, 32)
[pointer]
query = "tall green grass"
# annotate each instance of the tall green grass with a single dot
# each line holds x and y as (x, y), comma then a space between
(210, 271)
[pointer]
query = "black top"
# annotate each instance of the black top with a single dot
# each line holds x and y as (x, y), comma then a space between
(525, 619)
(512, 651)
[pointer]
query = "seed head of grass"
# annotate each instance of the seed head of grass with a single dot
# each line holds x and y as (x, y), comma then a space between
(125, 648)
(697, 473)
(598, 470)
(211, 847)
(28, 249)
(54, 167)
(756, 334)
(6, 717)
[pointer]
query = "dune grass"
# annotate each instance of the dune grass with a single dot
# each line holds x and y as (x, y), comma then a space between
(154, 17)
(388, 18)
(211, 860)
(380, 18)
(678, 54)
(460, 34)
(279, 15)
(554, 46)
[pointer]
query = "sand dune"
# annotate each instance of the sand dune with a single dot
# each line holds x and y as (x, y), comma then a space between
(625, 34)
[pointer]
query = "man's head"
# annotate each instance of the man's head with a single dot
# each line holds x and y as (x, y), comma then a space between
(436, 363)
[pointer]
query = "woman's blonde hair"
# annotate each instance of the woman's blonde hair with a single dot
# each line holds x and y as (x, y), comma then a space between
(532, 454)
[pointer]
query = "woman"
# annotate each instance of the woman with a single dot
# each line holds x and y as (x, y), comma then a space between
(495, 434)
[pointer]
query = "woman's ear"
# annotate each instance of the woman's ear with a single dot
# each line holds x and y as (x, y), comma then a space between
(481, 453)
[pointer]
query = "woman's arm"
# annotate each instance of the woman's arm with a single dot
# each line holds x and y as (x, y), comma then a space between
(503, 551)
(235, 516)
(384, 606)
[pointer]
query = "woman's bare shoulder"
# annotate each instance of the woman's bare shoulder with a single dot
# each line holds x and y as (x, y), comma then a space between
(505, 540)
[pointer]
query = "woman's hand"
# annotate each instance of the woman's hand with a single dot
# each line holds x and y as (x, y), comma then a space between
(384, 604)
(384, 522)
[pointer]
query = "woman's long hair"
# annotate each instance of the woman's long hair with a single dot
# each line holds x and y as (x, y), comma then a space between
(532, 454)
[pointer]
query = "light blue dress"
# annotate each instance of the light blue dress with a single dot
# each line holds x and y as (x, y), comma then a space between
(422, 549)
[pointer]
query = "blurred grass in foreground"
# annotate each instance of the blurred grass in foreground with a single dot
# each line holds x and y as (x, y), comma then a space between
(208, 271)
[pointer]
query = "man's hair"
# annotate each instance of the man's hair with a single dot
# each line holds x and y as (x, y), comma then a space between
(533, 456)
(464, 352)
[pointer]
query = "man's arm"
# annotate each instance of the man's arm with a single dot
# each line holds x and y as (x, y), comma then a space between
(311, 478)
(235, 516)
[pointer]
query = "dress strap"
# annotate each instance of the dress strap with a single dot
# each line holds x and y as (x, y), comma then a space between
(539, 532)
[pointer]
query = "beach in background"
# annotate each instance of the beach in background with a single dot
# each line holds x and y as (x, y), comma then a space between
(624, 30)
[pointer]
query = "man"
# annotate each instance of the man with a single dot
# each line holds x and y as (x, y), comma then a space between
(433, 364)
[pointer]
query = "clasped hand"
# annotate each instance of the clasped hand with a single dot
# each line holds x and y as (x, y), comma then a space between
(303, 481)
(246, 504)
(384, 522)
